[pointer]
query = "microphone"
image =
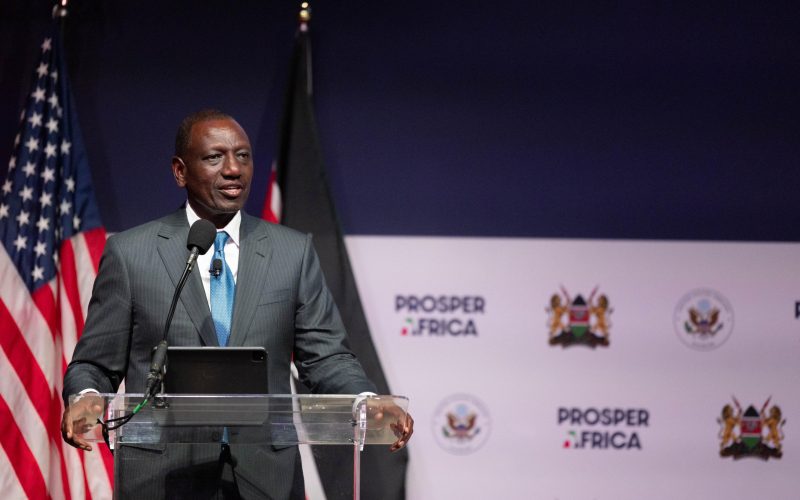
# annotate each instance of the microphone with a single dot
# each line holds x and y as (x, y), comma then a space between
(216, 268)
(201, 237)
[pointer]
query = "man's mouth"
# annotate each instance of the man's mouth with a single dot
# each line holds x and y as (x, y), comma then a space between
(231, 190)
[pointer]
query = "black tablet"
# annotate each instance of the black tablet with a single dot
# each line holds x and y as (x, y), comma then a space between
(216, 370)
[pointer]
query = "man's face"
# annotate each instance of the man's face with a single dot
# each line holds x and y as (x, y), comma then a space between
(216, 169)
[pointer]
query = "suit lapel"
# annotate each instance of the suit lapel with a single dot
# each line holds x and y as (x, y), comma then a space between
(254, 259)
(172, 249)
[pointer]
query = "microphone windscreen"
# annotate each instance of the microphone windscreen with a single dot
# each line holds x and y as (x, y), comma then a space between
(201, 236)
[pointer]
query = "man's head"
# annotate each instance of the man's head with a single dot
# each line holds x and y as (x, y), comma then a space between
(214, 162)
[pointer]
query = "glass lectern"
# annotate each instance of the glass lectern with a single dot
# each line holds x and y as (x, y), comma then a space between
(255, 420)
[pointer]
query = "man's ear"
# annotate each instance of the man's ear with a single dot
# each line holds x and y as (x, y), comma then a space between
(179, 171)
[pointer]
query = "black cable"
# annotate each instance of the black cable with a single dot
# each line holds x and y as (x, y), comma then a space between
(201, 237)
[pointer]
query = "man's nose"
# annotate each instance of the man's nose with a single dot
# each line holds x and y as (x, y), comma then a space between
(231, 166)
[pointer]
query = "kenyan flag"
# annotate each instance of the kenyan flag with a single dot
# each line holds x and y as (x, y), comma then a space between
(751, 428)
(578, 317)
(298, 196)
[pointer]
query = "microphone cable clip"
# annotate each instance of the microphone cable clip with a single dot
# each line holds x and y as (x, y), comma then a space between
(216, 268)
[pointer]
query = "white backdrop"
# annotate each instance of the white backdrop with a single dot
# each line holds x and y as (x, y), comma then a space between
(512, 382)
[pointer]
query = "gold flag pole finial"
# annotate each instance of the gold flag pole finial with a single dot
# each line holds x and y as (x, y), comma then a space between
(60, 9)
(305, 15)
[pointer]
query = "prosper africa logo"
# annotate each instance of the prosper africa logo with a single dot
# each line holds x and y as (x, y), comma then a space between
(439, 315)
(603, 428)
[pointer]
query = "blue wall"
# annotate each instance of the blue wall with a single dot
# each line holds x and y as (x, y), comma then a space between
(453, 118)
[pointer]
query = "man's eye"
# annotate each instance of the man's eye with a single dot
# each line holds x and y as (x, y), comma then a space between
(213, 158)
(244, 155)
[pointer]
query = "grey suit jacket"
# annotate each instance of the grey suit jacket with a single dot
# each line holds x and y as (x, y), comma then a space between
(281, 303)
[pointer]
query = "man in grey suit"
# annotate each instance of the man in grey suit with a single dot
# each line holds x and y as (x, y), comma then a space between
(281, 303)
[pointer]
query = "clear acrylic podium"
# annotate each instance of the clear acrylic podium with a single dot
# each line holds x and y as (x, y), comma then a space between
(257, 420)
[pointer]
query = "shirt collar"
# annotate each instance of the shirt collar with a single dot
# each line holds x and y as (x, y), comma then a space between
(232, 228)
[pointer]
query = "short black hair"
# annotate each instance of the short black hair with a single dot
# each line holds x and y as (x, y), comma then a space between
(185, 128)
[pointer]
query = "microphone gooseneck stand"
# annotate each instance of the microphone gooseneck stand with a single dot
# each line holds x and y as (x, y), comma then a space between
(201, 237)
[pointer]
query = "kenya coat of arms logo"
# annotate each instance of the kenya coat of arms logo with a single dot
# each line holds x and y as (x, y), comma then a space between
(576, 321)
(751, 433)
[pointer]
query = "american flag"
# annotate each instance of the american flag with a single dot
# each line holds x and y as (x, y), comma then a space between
(52, 239)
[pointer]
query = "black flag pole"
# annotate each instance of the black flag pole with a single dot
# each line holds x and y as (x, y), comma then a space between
(299, 197)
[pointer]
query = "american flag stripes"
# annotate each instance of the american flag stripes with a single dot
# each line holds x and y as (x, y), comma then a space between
(272, 204)
(52, 239)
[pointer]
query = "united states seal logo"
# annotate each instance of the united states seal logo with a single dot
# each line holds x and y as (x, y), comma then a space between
(461, 424)
(703, 319)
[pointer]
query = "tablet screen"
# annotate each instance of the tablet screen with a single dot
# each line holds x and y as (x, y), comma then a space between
(216, 370)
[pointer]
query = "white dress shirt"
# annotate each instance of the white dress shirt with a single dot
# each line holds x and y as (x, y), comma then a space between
(231, 250)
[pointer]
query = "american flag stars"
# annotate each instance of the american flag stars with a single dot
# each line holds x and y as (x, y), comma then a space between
(32, 144)
(35, 120)
(52, 125)
(48, 174)
(21, 242)
(23, 218)
(29, 169)
(40, 249)
(38, 205)
(43, 224)
(65, 207)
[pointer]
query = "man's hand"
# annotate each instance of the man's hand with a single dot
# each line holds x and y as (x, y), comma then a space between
(79, 418)
(403, 429)
(380, 412)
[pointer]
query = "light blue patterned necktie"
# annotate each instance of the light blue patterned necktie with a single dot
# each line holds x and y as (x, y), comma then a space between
(223, 290)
